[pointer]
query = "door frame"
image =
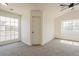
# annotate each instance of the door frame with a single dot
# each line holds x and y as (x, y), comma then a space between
(34, 15)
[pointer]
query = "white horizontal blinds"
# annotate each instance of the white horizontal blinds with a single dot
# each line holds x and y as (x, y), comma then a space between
(16, 29)
(66, 26)
(76, 26)
(2, 28)
(70, 26)
(9, 25)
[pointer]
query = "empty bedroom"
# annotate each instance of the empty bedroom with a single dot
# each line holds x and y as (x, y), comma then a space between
(39, 29)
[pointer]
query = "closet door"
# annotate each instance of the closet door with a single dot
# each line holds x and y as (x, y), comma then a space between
(36, 30)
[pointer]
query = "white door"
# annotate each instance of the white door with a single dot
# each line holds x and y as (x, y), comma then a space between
(36, 30)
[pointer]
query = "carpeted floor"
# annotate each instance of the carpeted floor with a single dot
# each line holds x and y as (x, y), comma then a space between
(54, 48)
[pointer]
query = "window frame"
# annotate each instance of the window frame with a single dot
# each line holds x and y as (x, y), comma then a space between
(73, 24)
(10, 31)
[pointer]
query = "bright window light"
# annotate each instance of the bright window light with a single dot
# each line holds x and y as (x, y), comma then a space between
(70, 26)
(8, 28)
(69, 42)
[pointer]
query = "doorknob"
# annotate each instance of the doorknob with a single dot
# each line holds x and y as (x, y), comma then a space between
(32, 32)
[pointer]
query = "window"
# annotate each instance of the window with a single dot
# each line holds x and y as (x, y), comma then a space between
(70, 26)
(8, 28)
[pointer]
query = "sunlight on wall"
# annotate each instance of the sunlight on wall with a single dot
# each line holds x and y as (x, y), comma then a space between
(70, 42)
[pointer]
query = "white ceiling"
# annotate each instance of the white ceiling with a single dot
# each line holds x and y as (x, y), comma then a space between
(20, 8)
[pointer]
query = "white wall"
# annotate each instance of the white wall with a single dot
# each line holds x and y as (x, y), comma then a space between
(47, 27)
(71, 15)
(25, 29)
(49, 12)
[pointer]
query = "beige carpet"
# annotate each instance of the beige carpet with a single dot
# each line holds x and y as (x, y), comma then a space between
(53, 48)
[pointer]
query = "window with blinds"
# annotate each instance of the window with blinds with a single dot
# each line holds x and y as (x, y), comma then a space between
(70, 26)
(8, 28)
